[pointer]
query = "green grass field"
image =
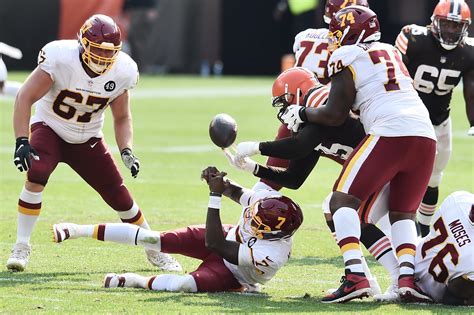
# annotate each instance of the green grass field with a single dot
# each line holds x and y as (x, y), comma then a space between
(171, 118)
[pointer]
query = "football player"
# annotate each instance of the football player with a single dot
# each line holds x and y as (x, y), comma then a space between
(310, 48)
(10, 88)
(444, 262)
(437, 57)
(305, 148)
(399, 148)
(73, 84)
(234, 258)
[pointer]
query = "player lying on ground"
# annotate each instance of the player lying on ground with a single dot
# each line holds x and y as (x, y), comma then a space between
(72, 86)
(235, 258)
(444, 261)
(369, 76)
(304, 149)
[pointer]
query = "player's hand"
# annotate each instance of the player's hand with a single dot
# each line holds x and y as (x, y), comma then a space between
(244, 164)
(471, 131)
(208, 172)
(130, 161)
(292, 117)
(247, 148)
(23, 154)
(216, 182)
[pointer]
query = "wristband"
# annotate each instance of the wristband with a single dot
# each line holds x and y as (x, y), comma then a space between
(214, 202)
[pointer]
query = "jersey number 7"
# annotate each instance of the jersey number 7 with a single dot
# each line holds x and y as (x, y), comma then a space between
(382, 55)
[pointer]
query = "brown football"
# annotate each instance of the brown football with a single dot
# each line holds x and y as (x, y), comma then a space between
(223, 130)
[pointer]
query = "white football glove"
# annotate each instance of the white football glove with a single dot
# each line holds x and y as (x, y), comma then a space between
(244, 164)
(247, 148)
(471, 131)
(130, 161)
(292, 117)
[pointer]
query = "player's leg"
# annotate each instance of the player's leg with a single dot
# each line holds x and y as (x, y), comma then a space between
(165, 282)
(283, 132)
(406, 192)
(48, 146)
(443, 153)
(95, 164)
(361, 175)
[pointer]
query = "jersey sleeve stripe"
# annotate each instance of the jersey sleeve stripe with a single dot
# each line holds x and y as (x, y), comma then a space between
(319, 100)
(315, 96)
(402, 43)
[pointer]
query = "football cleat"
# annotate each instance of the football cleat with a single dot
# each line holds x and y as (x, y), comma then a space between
(163, 261)
(126, 280)
(19, 257)
(374, 285)
(409, 292)
(63, 231)
(354, 285)
(390, 295)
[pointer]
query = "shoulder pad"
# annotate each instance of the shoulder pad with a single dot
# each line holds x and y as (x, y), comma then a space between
(128, 69)
(343, 57)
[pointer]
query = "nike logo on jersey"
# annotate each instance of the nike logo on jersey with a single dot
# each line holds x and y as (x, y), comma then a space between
(93, 145)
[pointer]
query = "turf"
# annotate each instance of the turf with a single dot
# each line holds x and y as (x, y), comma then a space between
(171, 117)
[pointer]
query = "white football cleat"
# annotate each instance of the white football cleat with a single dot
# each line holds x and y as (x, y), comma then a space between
(390, 295)
(64, 231)
(126, 280)
(163, 261)
(19, 257)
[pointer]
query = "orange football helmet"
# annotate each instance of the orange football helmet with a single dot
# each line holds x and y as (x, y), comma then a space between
(450, 21)
(100, 42)
(291, 87)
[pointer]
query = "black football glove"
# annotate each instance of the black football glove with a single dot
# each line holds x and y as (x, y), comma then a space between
(130, 161)
(23, 154)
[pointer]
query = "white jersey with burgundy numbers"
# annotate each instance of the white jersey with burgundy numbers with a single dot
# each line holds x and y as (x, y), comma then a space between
(74, 106)
(447, 252)
(259, 260)
(311, 51)
(388, 103)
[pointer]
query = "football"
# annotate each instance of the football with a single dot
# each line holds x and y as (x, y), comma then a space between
(223, 130)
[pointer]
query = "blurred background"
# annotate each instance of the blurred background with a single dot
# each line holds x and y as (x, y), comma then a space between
(206, 37)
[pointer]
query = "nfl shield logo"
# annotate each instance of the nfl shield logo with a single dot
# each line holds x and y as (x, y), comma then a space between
(90, 83)
(443, 59)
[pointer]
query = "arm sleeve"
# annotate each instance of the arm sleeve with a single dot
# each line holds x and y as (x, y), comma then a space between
(294, 147)
(292, 177)
(47, 59)
(342, 57)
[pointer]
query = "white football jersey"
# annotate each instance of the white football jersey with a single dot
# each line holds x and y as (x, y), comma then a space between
(388, 103)
(311, 51)
(447, 252)
(74, 106)
(259, 260)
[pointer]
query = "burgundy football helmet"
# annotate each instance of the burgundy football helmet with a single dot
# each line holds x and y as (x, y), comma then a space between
(450, 21)
(100, 42)
(274, 217)
(353, 25)
(332, 6)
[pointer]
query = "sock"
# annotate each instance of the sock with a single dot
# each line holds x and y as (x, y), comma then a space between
(134, 216)
(347, 225)
(29, 208)
(378, 245)
(426, 209)
(125, 233)
(403, 240)
(172, 283)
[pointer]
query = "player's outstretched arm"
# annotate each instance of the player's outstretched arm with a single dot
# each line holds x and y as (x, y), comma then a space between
(215, 239)
(468, 90)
